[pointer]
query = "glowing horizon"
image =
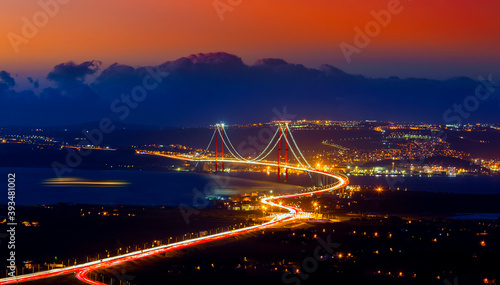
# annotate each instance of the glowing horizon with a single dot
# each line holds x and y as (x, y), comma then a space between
(441, 39)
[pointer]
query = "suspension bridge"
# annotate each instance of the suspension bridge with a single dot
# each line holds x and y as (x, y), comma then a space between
(282, 141)
(282, 144)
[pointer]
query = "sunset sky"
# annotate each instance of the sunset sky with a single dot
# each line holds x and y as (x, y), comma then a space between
(429, 38)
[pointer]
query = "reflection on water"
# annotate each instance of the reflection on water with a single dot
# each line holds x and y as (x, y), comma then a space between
(80, 182)
(121, 187)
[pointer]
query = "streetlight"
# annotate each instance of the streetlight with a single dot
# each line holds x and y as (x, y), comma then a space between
(315, 204)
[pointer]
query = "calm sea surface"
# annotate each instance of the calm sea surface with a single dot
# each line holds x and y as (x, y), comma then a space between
(461, 184)
(144, 187)
(173, 188)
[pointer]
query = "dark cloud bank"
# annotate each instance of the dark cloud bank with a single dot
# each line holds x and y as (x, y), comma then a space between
(206, 88)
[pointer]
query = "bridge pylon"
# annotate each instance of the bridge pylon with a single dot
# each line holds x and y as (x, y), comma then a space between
(219, 133)
(283, 132)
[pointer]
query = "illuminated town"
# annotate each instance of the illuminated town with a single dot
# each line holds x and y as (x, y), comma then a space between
(401, 149)
(249, 142)
(361, 148)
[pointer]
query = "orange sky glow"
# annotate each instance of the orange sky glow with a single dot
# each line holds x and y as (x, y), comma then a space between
(442, 38)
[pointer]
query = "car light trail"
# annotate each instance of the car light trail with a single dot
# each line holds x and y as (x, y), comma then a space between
(82, 270)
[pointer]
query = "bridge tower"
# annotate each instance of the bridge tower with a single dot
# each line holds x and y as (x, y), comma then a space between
(219, 133)
(283, 132)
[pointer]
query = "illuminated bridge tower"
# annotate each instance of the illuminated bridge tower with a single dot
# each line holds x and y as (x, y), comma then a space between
(282, 139)
(283, 132)
(219, 133)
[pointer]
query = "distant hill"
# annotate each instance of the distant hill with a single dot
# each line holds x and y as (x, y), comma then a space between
(200, 89)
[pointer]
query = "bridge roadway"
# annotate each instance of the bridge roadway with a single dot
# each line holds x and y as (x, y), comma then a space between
(82, 270)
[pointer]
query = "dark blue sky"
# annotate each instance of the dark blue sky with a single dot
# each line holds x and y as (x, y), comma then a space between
(199, 90)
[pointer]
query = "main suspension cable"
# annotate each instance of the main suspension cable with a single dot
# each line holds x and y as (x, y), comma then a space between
(300, 152)
(228, 147)
(272, 139)
(257, 158)
(291, 149)
(208, 146)
(270, 151)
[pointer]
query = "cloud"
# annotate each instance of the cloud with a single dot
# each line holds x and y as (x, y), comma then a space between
(117, 79)
(35, 83)
(7, 79)
(270, 62)
(70, 78)
(71, 73)
(72, 100)
(208, 87)
(215, 58)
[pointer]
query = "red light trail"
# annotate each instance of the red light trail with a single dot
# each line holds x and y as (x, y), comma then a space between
(82, 270)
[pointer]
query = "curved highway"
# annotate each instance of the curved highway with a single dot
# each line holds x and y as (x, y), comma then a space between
(82, 270)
